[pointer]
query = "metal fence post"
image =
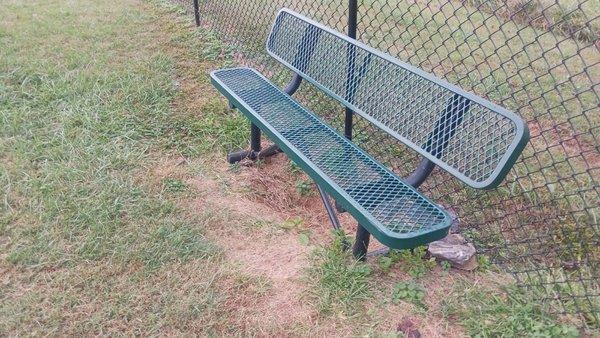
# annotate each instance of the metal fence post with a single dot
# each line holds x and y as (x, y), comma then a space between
(362, 235)
(352, 15)
(197, 12)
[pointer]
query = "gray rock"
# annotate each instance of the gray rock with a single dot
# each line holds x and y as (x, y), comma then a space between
(456, 250)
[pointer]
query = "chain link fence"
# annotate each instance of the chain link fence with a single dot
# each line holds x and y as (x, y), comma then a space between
(537, 58)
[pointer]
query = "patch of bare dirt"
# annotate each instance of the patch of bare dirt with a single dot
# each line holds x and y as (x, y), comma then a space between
(279, 257)
(274, 185)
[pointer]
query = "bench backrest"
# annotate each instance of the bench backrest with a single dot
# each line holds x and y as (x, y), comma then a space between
(471, 138)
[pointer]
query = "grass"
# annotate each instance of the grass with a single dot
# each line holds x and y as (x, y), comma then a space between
(91, 240)
(492, 49)
(502, 313)
(340, 282)
(566, 17)
(304, 187)
(524, 69)
(486, 304)
(74, 128)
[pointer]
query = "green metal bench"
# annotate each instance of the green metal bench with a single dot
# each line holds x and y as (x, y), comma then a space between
(467, 136)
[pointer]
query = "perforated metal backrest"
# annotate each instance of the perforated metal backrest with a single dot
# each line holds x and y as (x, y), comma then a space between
(471, 138)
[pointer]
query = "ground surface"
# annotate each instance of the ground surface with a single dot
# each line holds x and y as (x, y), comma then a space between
(119, 215)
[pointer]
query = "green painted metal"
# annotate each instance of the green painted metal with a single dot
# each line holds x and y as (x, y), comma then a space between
(391, 210)
(481, 142)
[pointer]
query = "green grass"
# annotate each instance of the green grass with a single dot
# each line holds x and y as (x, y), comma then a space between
(502, 313)
(414, 262)
(87, 235)
(338, 282)
(485, 304)
(78, 118)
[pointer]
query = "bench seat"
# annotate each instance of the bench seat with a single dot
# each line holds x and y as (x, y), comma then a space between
(390, 209)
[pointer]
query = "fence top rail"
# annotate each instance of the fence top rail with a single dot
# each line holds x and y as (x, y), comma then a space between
(473, 139)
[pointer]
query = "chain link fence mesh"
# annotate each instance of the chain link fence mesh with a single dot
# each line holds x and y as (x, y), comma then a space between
(537, 58)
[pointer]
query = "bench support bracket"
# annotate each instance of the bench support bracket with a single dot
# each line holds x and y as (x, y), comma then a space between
(255, 152)
(237, 156)
(335, 222)
(450, 119)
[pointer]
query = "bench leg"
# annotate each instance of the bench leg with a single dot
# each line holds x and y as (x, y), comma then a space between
(339, 207)
(361, 244)
(254, 138)
(335, 222)
(255, 152)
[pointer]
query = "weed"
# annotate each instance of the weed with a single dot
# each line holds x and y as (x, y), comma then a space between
(572, 21)
(483, 263)
(174, 185)
(294, 168)
(293, 223)
(574, 243)
(413, 261)
(304, 238)
(235, 167)
(258, 224)
(542, 284)
(385, 263)
(304, 187)
(446, 266)
(410, 292)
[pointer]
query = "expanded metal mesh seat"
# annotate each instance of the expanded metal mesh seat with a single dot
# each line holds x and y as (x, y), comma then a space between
(469, 137)
(398, 215)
